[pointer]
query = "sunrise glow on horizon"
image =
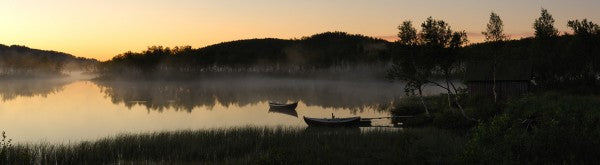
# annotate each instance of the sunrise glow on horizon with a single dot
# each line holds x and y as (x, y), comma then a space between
(103, 29)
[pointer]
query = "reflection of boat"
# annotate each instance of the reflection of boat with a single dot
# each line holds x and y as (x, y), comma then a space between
(336, 122)
(291, 106)
(288, 111)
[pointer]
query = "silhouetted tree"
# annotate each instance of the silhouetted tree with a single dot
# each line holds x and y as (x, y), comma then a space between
(442, 43)
(584, 28)
(437, 52)
(542, 52)
(585, 49)
(407, 34)
(435, 33)
(495, 29)
(544, 25)
(495, 33)
(413, 68)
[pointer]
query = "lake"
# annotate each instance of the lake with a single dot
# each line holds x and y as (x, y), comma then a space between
(72, 110)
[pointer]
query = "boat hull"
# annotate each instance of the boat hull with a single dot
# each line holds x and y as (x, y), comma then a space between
(337, 122)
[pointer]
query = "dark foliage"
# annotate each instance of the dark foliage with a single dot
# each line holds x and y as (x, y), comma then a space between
(441, 115)
(568, 62)
(550, 128)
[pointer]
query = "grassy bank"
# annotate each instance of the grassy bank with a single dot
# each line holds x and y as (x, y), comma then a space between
(537, 128)
(549, 128)
(252, 145)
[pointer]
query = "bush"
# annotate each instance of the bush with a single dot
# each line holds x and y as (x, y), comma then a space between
(451, 120)
(482, 108)
(440, 115)
(550, 128)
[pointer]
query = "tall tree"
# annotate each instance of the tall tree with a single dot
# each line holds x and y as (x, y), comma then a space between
(432, 50)
(544, 25)
(494, 33)
(443, 43)
(495, 29)
(457, 41)
(413, 68)
(544, 70)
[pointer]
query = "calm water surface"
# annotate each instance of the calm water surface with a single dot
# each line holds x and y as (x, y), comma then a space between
(60, 111)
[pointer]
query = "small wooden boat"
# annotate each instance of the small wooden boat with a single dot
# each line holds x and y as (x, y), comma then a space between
(336, 122)
(291, 106)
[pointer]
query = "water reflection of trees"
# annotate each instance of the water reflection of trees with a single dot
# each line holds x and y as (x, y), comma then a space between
(11, 89)
(160, 95)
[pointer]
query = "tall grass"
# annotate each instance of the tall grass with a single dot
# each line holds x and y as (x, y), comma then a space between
(254, 145)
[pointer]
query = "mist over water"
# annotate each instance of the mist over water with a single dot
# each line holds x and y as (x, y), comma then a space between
(158, 95)
(77, 108)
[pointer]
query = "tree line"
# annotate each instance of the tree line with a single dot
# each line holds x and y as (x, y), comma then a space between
(23, 62)
(321, 51)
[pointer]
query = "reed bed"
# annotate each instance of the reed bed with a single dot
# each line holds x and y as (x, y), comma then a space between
(251, 145)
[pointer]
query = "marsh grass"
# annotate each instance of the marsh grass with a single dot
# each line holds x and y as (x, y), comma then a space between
(251, 145)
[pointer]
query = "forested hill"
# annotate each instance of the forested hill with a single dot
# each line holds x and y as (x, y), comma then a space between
(21, 61)
(321, 51)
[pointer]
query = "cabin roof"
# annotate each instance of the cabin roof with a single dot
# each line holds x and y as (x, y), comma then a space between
(506, 70)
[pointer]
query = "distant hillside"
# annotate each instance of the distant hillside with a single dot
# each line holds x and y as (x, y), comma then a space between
(21, 61)
(321, 51)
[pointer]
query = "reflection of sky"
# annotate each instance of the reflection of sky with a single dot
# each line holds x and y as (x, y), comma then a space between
(80, 111)
(102, 29)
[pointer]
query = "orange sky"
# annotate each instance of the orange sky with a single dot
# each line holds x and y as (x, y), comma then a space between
(104, 28)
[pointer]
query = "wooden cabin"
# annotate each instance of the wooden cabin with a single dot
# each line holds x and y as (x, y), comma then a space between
(513, 78)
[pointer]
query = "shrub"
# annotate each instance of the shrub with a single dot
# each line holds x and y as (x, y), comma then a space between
(451, 120)
(550, 128)
(441, 115)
